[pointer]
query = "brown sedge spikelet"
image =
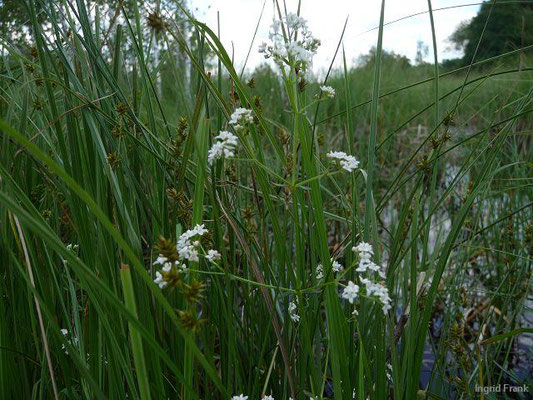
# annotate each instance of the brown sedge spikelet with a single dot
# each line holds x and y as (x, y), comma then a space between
(113, 159)
(189, 321)
(156, 22)
(167, 249)
(193, 291)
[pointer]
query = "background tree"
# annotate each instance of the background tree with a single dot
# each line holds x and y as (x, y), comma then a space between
(509, 27)
(422, 50)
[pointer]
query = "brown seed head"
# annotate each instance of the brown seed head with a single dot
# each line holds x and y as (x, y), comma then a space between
(156, 22)
(167, 249)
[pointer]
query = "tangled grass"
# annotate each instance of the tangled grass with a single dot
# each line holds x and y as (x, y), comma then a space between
(172, 228)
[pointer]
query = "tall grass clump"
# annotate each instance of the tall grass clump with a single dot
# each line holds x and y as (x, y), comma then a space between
(174, 227)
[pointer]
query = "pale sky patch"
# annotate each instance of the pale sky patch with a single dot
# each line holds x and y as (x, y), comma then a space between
(238, 20)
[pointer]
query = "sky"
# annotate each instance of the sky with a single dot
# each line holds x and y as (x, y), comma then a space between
(239, 18)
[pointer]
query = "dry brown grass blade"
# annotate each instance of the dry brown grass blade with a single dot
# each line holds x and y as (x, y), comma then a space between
(37, 307)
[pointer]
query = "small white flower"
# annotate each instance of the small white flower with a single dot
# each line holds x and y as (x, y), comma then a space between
(366, 263)
(347, 162)
(319, 272)
(293, 309)
(262, 47)
(388, 371)
(328, 91)
(240, 397)
(73, 342)
(365, 281)
(160, 260)
(363, 247)
(374, 267)
(213, 255)
(200, 230)
(159, 281)
(336, 266)
(224, 146)
(350, 292)
(240, 118)
(267, 398)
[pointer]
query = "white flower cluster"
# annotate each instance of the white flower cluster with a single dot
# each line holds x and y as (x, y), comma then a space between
(166, 268)
(335, 266)
(328, 91)
(291, 42)
(379, 290)
(348, 163)
(240, 397)
(213, 255)
(226, 142)
(73, 342)
(365, 252)
(187, 248)
(365, 263)
(350, 292)
(293, 312)
(224, 146)
(388, 372)
(70, 247)
(240, 118)
(319, 272)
